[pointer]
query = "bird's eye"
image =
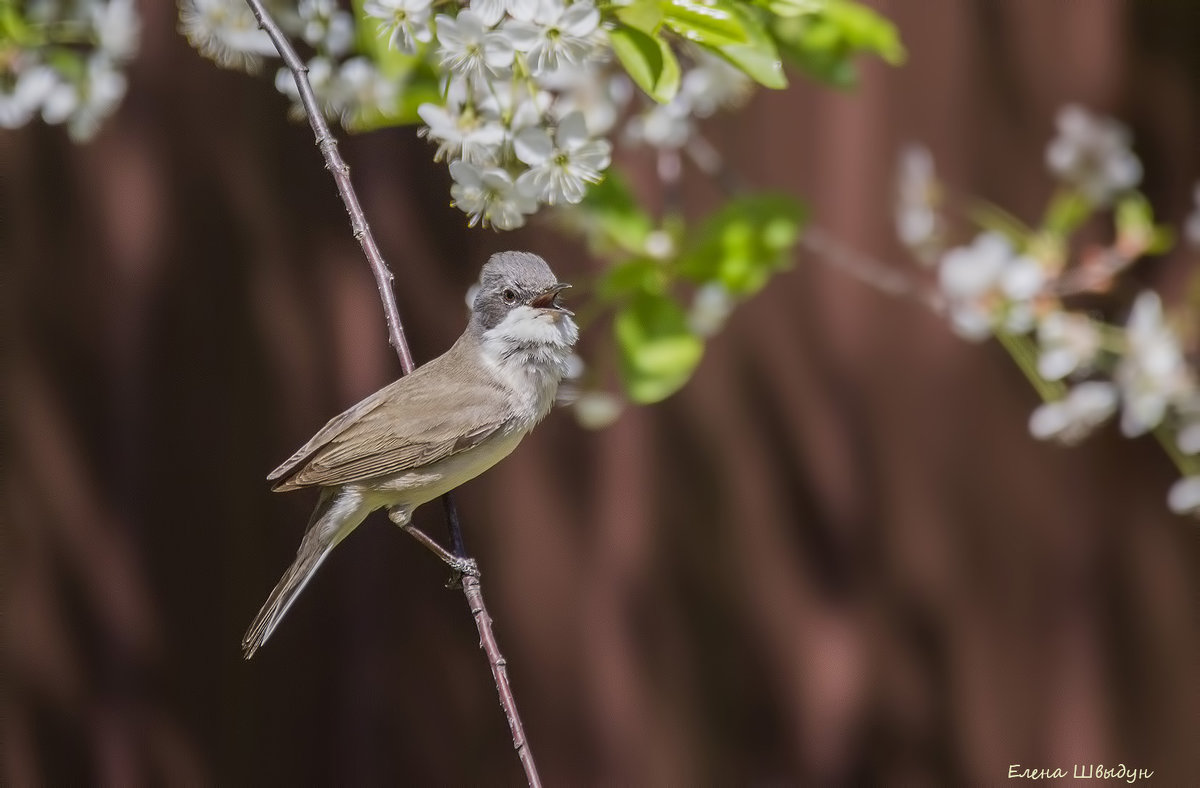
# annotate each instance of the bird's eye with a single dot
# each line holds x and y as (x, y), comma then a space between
(509, 296)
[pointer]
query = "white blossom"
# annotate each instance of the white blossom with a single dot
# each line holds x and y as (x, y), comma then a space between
(117, 27)
(919, 226)
(988, 285)
(488, 194)
(511, 108)
(102, 90)
(1074, 417)
(668, 126)
(404, 22)
(325, 26)
(1184, 496)
(1069, 343)
(1187, 437)
(29, 92)
(659, 244)
(1152, 373)
(460, 129)
(580, 89)
(711, 307)
(492, 11)
(470, 49)
(595, 410)
(556, 33)
(1093, 154)
(360, 87)
(712, 84)
(226, 32)
(559, 169)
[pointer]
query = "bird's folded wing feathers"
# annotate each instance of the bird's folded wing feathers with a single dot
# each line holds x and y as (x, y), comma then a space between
(399, 428)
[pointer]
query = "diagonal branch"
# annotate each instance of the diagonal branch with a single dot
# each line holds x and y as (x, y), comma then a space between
(383, 279)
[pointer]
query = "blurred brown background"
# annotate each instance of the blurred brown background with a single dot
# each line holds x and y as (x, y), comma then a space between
(835, 557)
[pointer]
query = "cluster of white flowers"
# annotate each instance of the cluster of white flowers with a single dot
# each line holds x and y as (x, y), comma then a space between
(61, 83)
(348, 86)
(988, 286)
(991, 286)
(1093, 154)
(512, 127)
(530, 93)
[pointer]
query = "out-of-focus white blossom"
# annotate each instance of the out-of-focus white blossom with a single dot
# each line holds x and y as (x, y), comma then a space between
(560, 168)
(595, 410)
(1191, 225)
(711, 84)
(101, 91)
(578, 89)
(404, 22)
(82, 83)
(667, 126)
(488, 194)
(1187, 438)
(226, 32)
(918, 224)
(325, 26)
(659, 245)
(1184, 496)
(557, 33)
(1093, 154)
(30, 90)
(1069, 343)
(1152, 373)
(321, 76)
(117, 26)
(1074, 417)
(987, 285)
(711, 307)
(470, 49)
(360, 87)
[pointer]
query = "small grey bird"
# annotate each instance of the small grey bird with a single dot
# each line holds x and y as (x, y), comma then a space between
(428, 432)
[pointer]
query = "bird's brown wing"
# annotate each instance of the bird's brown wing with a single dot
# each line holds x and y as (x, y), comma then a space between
(403, 426)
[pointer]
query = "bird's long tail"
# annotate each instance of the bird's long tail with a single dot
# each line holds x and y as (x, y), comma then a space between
(337, 514)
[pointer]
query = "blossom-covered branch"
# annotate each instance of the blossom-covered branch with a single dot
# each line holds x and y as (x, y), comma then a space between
(1016, 282)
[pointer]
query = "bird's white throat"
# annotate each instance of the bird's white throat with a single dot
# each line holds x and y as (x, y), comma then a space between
(528, 354)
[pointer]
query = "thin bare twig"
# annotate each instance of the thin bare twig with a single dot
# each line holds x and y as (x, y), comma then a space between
(383, 279)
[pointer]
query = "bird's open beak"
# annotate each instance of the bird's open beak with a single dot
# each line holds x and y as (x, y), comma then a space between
(548, 298)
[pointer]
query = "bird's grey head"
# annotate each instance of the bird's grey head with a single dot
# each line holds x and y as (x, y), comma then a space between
(514, 279)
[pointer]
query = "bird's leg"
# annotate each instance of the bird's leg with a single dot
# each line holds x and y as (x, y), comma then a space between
(460, 564)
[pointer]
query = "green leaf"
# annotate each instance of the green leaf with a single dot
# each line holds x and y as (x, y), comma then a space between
(643, 15)
(745, 242)
(713, 24)
(648, 60)
(639, 275)
(790, 8)
(865, 30)
(758, 57)
(1066, 212)
(826, 43)
(610, 208)
(657, 351)
(1136, 230)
